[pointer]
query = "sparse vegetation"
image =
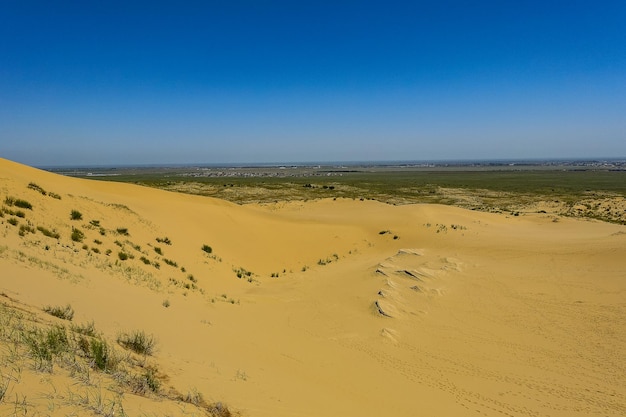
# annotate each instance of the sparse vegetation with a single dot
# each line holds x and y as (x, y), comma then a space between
(138, 341)
(95, 223)
(49, 233)
(46, 344)
(145, 260)
(87, 329)
(77, 235)
(207, 249)
(65, 313)
(158, 250)
(37, 188)
(13, 221)
(166, 303)
(122, 255)
(170, 262)
(76, 215)
(26, 229)
(165, 240)
(122, 231)
(243, 273)
(17, 202)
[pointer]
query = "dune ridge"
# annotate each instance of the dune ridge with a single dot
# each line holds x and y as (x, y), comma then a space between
(323, 307)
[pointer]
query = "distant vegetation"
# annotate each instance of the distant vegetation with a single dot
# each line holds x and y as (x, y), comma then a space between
(474, 187)
(207, 248)
(76, 215)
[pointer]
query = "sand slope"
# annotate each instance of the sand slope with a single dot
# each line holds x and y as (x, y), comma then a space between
(448, 312)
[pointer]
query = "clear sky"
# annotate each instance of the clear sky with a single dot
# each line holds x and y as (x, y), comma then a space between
(106, 82)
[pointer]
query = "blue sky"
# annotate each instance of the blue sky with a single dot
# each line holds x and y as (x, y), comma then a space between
(95, 82)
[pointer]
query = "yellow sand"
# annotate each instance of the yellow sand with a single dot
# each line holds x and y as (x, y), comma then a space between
(450, 313)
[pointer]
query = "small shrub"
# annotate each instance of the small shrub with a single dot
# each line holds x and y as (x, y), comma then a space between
(46, 232)
(242, 272)
(95, 223)
(37, 188)
(193, 397)
(145, 260)
(87, 329)
(122, 231)
(166, 303)
(97, 242)
(44, 345)
(76, 215)
(158, 250)
(22, 204)
(85, 247)
(95, 250)
(65, 313)
(26, 229)
(108, 252)
(137, 341)
(165, 240)
(54, 195)
(207, 248)
(122, 255)
(192, 278)
(77, 235)
(118, 243)
(100, 354)
(219, 410)
(20, 214)
(170, 262)
(13, 221)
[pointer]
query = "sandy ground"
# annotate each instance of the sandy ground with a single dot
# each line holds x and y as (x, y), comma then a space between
(341, 308)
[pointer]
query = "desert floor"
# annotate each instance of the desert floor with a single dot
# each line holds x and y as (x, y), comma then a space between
(320, 308)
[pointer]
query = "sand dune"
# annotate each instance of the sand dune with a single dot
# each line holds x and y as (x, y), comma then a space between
(334, 308)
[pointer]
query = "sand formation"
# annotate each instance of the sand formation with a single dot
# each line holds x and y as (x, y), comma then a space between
(333, 308)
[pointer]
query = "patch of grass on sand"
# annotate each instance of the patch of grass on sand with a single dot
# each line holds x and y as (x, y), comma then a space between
(65, 313)
(138, 341)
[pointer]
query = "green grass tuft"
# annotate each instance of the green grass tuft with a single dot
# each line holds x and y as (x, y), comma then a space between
(138, 341)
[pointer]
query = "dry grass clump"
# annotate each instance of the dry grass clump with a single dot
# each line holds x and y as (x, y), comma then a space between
(138, 341)
(65, 313)
(17, 202)
(49, 233)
